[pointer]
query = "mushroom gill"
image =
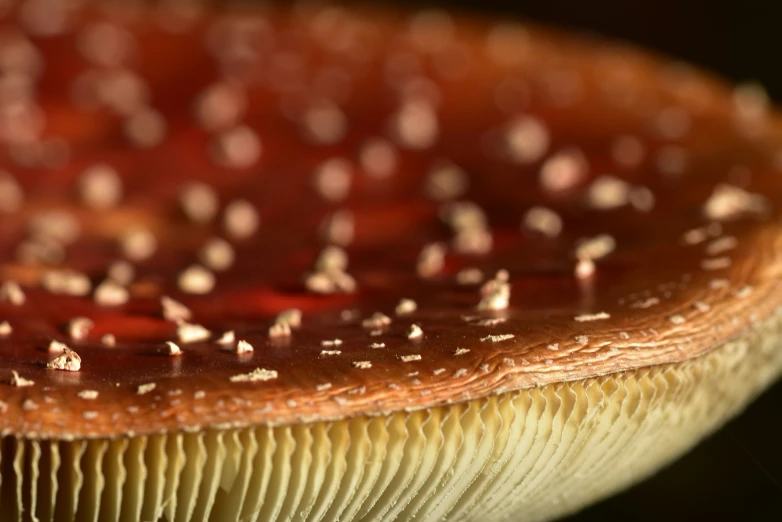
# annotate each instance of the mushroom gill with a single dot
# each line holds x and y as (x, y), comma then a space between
(328, 264)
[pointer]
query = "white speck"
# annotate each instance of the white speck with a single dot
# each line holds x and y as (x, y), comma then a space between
(716, 263)
(495, 293)
(543, 220)
(198, 395)
(191, 333)
(410, 358)
(527, 139)
(330, 276)
(642, 199)
(88, 395)
(138, 244)
(376, 346)
(238, 147)
(728, 202)
(172, 349)
(331, 259)
(414, 332)
(431, 260)
(56, 347)
(66, 282)
(338, 228)
(5, 329)
(291, 316)
(592, 317)
(608, 192)
(196, 280)
(469, 276)
(121, 272)
(415, 125)
(583, 340)
(324, 123)
(744, 291)
(332, 179)
(79, 328)
(199, 202)
(58, 225)
(331, 342)
(174, 310)
(220, 105)
(553, 347)
(240, 219)
(376, 320)
(497, 338)
(716, 284)
(470, 226)
(476, 241)
(226, 339)
(11, 292)
(145, 128)
(329, 282)
(595, 247)
(68, 361)
(378, 158)
(695, 236)
(100, 187)
(257, 375)
(701, 306)
(19, 381)
(405, 306)
(563, 170)
(243, 347)
(362, 365)
(677, 319)
(446, 181)
(330, 352)
(145, 388)
(461, 351)
(109, 293)
(645, 303)
(323, 387)
(279, 330)
(721, 245)
(108, 340)
(585, 269)
(217, 254)
(461, 372)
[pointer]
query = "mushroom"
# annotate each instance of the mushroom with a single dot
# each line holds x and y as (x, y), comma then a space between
(294, 395)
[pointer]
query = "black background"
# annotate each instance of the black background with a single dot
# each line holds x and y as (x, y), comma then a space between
(735, 474)
(740, 40)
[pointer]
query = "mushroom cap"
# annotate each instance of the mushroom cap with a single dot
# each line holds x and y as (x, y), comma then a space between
(644, 297)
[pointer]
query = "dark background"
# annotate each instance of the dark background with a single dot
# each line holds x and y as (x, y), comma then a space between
(737, 473)
(739, 39)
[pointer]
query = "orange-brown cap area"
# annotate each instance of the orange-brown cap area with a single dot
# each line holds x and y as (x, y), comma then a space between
(555, 208)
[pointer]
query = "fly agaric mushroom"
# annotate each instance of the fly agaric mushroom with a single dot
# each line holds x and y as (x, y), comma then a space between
(575, 384)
